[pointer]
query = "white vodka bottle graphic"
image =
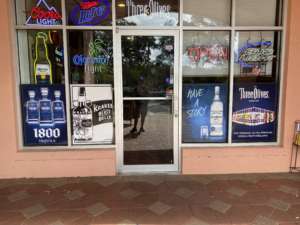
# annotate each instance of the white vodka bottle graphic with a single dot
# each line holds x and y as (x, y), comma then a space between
(32, 109)
(46, 112)
(216, 115)
(58, 108)
(82, 118)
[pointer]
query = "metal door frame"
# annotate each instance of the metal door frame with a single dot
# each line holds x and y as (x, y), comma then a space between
(121, 168)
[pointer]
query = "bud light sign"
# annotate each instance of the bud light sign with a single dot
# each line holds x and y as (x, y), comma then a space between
(44, 115)
(90, 12)
(254, 114)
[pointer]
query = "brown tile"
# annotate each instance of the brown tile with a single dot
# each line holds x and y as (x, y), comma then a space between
(219, 206)
(33, 211)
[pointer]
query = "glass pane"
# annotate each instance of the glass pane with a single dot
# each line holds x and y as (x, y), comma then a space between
(41, 56)
(206, 53)
(147, 12)
(256, 87)
(205, 86)
(91, 57)
(89, 13)
(206, 12)
(148, 66)
(257, 55)
(38, 12)
(258, 12)
(148, 132)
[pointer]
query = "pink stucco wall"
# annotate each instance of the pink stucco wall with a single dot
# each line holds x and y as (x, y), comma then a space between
(14, 163)
(260, 159)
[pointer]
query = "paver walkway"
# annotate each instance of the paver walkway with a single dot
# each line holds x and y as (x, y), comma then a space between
(265, 199)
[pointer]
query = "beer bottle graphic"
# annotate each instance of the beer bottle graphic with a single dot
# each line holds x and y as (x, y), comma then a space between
(82, 118)
(42, 63)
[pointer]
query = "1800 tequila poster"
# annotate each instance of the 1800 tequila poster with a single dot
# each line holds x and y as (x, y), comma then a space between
(204, 113)
(44, 115)
(254, 117)
(92, 114)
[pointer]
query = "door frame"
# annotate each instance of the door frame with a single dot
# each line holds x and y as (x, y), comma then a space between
(121, 168)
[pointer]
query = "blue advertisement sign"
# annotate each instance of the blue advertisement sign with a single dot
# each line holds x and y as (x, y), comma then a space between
(44, 115)
(254, 117)
(90, 12)
(204, 112)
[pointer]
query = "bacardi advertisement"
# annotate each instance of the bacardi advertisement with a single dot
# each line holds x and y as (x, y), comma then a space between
(254, 117)
(92, 114)
(44, 115)
(204, 113)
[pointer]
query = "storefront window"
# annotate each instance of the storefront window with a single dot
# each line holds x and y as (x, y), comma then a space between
(147, 12)
(255, 93)
(230, 68)
(206, 12)
(205, 86)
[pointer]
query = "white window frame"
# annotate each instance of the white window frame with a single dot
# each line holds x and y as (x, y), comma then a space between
(232, 29)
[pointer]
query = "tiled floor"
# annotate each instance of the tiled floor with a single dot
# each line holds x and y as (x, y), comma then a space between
(265, 199)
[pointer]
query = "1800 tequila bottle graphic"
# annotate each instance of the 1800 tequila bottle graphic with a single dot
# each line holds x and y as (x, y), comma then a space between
(32, 109)
(58, 108)
(82, 118)
(46, 113)
(216, 115)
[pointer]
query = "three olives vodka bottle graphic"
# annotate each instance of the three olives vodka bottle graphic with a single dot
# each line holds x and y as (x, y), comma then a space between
(82, 118)
(216, 115)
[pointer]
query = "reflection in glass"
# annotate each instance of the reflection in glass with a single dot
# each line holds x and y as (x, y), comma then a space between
(148, 66)
(41, 56)
(257, 54)
(206, 53)
(147, 12)
(91, 57)
(206, 12)
(148, 132)
(38, 12)
(266, 12)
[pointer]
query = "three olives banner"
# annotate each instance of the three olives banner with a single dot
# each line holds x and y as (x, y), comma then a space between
(92, 114)
(44, 115)
(204, 113)
(254, 117)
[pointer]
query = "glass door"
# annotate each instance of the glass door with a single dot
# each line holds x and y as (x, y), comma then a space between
(148, 81)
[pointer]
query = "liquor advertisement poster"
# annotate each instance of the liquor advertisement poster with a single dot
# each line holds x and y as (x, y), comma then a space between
(204, 113)
(92, 114)
(44, 115)
(254, 116)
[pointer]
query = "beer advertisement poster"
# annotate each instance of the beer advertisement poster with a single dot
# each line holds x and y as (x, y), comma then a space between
(92, 114)
(204, 113)
(44, 115)
(254, 116)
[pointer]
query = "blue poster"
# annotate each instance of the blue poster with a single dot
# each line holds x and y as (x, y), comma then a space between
(44, 115)
(254, 117)
(204, 112)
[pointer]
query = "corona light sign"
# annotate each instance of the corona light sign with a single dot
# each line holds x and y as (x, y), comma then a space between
(43, 14)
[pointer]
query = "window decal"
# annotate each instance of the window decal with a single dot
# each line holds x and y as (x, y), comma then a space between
(43, 14)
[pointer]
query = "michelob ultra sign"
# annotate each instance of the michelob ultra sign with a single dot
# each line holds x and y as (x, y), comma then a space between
(90, 12)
